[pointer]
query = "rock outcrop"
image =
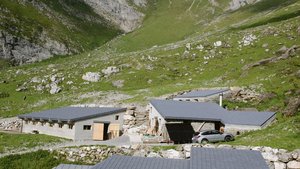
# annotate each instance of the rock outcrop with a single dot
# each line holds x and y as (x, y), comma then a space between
(119, 12)
(236, 4)
(21, 50)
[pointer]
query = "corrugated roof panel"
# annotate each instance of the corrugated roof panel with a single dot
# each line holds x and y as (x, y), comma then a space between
(72, 113)
(126, 162)
(211, 158)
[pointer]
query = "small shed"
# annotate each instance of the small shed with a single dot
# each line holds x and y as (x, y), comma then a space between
(76, 123)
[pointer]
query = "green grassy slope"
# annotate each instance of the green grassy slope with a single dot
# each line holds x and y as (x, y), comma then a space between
(70, 22)
(159, 71)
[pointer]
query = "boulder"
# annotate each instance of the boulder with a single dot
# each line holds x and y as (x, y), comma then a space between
(292, 106)
(153, 154)
(270, 156)
(285, 157)
(54, 89)
(279, 165)
(172, 154)
(110, 70)
(91, 76)
(293, 165)
(218, 44)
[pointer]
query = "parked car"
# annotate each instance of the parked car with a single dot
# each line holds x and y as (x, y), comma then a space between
(211, 136)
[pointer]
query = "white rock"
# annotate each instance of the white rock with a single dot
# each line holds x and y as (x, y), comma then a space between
(110, 70)
(218, 44)
(187, 147)
(293, 165)
(269, 156)
(279, 165)
(172, 154)
(188, 46)
(153, 154)
(91, 76)
(54, 88)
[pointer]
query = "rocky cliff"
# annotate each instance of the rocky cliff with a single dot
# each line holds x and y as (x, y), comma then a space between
(119, 12)
(20, 50)
(38, 29)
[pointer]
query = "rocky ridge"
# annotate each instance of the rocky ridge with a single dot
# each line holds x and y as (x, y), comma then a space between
(119, 12)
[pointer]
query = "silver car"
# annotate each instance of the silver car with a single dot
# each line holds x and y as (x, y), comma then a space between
(211, 136)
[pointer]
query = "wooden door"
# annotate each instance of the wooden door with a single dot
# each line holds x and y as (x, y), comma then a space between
(98, 131)
(114, 130)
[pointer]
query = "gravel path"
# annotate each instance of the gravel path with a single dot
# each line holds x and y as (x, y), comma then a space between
(120, 141)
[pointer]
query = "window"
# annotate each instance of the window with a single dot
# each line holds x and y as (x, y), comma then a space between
(215, 132)
(87, 127)
(71, 126)
(60, 125)
(117, 117)
(26, 121)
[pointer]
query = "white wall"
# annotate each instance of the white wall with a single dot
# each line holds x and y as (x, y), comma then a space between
(81, 134)
(63, 132)
(154, 113)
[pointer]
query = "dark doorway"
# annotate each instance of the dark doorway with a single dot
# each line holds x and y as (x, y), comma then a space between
(180, 132)
(105, 131)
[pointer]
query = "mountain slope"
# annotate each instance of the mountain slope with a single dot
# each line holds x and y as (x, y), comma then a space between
(217, 53)
(35, 30)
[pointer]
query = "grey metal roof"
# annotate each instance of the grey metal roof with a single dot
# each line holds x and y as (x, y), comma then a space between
(180, 110)
(207, 111)
(128, 162)
(72, 113)
(248, 118)
(211, 158)
(202, 93)
(72, 166)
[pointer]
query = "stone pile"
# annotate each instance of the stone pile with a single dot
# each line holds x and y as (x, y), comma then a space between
(244, 95)
(275, 158)
(10, 124)
(91, 76)
(89, 154)
(135, 120)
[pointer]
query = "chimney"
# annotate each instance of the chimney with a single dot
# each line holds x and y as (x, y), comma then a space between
(221, 99)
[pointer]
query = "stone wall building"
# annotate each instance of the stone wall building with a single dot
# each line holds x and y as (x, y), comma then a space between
(76, 123)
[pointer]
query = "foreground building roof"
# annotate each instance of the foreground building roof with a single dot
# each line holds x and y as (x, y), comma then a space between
(201, 158)
(208, 158)
(207, 111)
(128, 162)
(202, 93)
(72, 113)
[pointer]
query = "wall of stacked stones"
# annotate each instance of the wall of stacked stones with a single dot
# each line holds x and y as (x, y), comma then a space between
(275, 158)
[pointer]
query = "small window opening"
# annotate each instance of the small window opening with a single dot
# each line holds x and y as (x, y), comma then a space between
(87, 127)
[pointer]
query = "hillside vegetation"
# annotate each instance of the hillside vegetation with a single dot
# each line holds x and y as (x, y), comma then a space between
(184, 57)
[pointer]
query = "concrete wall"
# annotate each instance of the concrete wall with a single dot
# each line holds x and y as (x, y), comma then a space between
(153, 113)
(233, 128)
(81, 134)
(54, 130)
(76, 133)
